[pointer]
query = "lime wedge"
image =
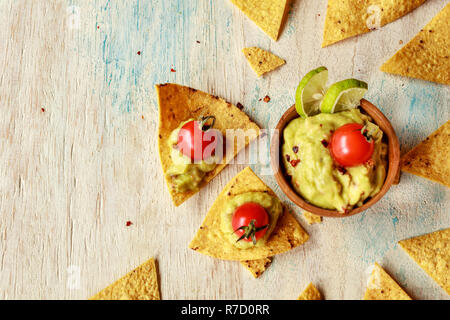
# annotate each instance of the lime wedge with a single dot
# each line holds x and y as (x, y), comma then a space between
(310, 92)
(343, 95)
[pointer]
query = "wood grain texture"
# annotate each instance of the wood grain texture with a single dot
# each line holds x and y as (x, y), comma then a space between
(78, 148)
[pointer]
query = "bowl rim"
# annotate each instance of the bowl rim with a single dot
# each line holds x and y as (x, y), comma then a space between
(393, 162)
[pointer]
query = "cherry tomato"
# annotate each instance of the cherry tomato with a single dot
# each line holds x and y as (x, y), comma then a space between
(196, 143)
(349, 146)
(250, 221)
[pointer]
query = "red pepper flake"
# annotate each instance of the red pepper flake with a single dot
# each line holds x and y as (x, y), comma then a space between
(294, 162)
(295, 149)
(240, 106)
(370, 163)
(198, 41)
(142, 117)
(342, 169)
(324, 143)
(266, 99)
(129, 223)
(139, 53)
(288, 158)
(173, 70)
(42, 109)
(98, 27)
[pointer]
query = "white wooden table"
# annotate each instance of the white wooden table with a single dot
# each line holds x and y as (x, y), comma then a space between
(78, 155)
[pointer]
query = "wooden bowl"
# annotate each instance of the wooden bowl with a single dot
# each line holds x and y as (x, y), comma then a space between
(392, 176)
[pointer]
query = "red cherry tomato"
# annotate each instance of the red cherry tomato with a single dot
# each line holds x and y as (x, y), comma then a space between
(253, 217)
(349, 147)
(195, 143)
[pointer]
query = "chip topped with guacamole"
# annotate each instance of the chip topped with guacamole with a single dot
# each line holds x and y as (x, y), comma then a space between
(244, 201)
(193, 127)
(335, 161)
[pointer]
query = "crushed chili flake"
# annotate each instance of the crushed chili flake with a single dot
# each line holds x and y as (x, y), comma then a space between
(342, 169)
(42, 109)
(142, 117)
(288, 158)
(294, 162)
(266, 99)
(240, 106)
(370, 163)
(198, 41)
(139, 53)
(324, 143)
(129, 223)
(173, 70)
(295, 149)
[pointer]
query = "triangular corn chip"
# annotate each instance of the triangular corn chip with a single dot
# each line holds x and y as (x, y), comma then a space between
(177, 104)
(381, 286)
(432, 253)
(348, 18)
(211, 241)
(257, 267)
(139, 284)
(310, 293)
(262, 61)
(427, 55)
(429, 159)
(269, 15)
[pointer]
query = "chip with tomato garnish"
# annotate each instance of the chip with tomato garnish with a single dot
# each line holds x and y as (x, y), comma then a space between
(248, 223)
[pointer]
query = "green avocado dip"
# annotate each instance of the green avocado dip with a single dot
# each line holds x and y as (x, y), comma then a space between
(272, 206)
(316, 176)
(183, 173)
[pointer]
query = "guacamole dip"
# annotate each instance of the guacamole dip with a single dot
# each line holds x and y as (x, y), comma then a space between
(316, 176)
(184, 174)
(271, 204)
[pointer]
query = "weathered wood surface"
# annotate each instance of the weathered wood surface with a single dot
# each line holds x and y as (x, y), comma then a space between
(78, 151)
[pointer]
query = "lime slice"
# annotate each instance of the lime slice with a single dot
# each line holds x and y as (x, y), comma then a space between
(310, 92)
(343, 95)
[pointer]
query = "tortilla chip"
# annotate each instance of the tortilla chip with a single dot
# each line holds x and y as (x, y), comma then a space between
(177, 104)
(210, 240)
(432, 253)
(310, 293)
(346, 19)
(262, 61)
(381, 286)
(257, 267)
(426, 56)
(269, 15)
(139, 284)
(429, 159)
(312, 218)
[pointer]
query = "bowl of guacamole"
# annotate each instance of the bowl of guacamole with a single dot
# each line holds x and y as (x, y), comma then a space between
(308, 173)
